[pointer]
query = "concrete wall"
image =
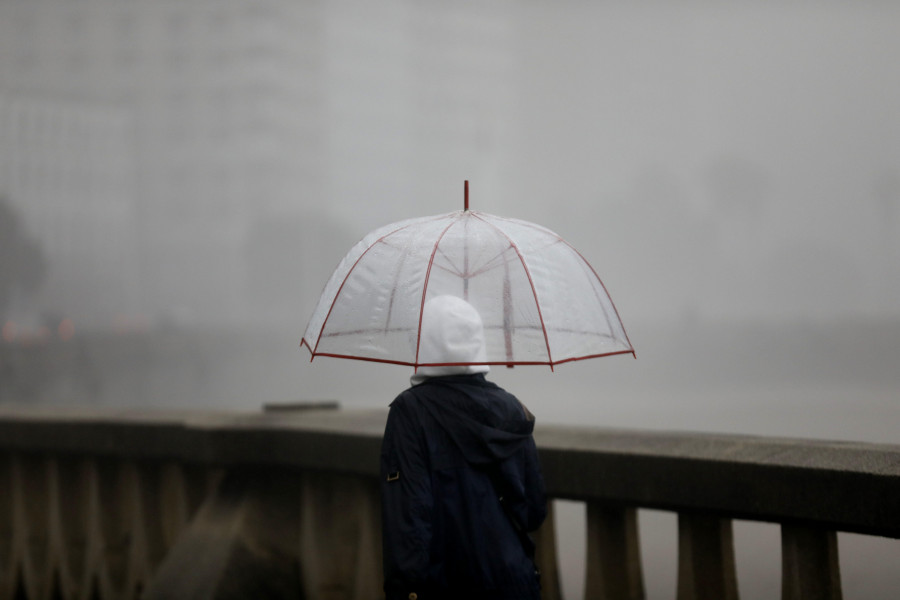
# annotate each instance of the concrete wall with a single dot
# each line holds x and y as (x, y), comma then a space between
(106, 503)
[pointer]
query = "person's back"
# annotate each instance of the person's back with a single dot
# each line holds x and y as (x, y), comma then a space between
(461, 484)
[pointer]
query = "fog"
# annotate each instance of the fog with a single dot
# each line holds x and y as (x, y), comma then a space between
(177, 182)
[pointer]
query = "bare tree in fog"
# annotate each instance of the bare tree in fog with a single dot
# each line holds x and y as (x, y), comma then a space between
(23, 265)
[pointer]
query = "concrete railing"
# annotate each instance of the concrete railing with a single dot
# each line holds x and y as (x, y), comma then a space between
(102, 504)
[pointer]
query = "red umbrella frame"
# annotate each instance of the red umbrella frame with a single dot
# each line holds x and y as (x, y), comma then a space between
(540, 300)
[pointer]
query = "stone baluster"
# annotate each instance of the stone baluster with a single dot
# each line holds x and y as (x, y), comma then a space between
(68, 526)
(810, 568)
(31, 531)
(706, 567)
(613, 553)
(116, 550)
(157, 503)
(8, 566)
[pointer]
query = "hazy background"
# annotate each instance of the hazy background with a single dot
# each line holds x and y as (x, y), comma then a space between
(178, 179)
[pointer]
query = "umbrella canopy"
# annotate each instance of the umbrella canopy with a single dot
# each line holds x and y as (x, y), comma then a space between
(540, 301)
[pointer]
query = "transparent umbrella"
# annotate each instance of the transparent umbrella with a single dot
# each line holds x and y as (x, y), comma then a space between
(540, 301)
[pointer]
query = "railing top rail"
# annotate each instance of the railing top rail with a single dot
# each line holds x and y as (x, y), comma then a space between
(847, 486)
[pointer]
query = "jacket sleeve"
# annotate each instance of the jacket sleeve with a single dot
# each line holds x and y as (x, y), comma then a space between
(535, 493)
(524, 491)
(407, 503)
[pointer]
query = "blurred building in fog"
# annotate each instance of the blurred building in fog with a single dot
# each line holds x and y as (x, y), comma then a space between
(220, 126)
(143, 140)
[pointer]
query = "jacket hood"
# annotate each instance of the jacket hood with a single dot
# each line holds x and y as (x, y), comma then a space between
(485, 422)
(451, 339)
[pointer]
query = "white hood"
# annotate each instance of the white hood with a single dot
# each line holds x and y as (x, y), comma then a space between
(451, 332)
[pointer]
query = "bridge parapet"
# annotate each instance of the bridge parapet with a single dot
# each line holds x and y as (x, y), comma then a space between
(110, 503)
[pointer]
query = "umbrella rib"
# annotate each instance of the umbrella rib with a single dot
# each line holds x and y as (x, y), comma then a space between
(530, 283)
(346, 277)
(405, 254)
(455, 270)
(528, 224)
(489, 265)
(588, 356)
(434, 250)
(387, 322)
(605, 291)
(466, 271)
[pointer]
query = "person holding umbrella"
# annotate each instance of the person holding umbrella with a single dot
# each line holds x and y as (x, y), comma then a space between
(450, 295)
(460, 479)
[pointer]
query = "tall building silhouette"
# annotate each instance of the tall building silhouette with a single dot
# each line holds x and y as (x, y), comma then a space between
(152, 134)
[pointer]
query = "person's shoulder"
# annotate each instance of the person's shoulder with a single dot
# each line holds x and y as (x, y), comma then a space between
(514, 407)
(406, 399)
(497, 391)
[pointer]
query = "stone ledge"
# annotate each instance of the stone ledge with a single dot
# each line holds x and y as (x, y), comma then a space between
(837, 485)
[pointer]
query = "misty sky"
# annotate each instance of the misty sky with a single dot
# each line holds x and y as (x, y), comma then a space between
(710, 161)
(739, 161)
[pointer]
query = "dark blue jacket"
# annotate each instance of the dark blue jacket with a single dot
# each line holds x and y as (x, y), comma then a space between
(452, 447)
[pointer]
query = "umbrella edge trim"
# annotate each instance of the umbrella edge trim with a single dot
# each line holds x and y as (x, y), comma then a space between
(463, 364)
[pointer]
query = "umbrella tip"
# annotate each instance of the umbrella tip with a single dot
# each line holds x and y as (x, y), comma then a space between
(466, 203)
